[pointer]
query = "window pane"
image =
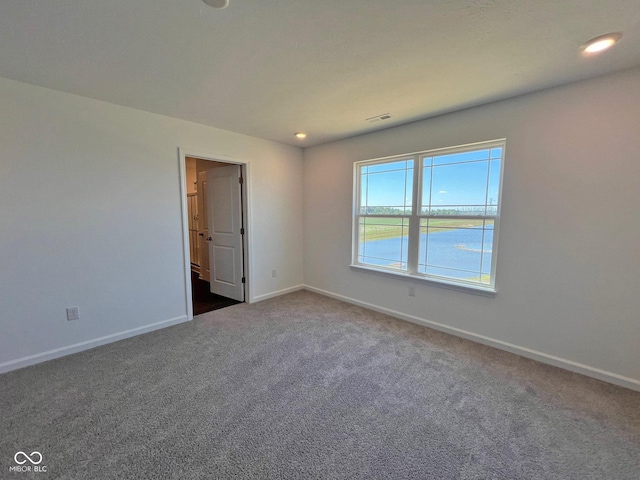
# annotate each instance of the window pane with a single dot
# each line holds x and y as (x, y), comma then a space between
(364, 188)
(487, 250)
(461, 157)
(459, 189)
(456, 248)
(426, 185)
(387, 188)
(494, 187)
(383, 242)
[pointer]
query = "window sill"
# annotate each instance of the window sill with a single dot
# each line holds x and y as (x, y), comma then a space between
(473, 289)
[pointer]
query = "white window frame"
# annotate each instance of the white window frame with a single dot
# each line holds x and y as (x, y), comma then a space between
(416, 216)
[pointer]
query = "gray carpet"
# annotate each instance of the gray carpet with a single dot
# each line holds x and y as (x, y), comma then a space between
(303, 386)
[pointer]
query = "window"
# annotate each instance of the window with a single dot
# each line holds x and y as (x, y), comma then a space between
(431, 215)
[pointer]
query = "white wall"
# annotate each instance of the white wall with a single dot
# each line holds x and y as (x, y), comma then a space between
(90, 215)
(568, 266)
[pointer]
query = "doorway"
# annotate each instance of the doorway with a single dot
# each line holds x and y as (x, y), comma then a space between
(216, 214)
(203, 300)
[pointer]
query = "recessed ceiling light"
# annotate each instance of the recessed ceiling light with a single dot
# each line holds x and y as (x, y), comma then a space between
(601, 43)
(300, 135)
(217, 3)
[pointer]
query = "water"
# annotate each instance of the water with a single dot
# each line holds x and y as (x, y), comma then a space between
(454, 253)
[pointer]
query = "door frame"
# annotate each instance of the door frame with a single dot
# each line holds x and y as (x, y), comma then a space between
(245, 166)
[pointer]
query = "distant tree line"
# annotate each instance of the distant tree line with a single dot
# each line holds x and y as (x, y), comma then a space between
(474, 210)
(383, 211)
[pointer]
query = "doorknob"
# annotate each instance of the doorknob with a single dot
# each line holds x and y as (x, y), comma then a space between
(201, 234)
(208, 239)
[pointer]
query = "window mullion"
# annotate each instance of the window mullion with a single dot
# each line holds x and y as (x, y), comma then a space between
(414, 220)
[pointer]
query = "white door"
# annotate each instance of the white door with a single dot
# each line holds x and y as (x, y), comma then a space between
(203, 226)
(225, 224)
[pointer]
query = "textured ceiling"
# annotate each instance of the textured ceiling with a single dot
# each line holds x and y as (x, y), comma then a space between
(269, 68)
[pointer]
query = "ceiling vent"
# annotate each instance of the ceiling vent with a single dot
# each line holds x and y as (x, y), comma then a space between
(380, 118)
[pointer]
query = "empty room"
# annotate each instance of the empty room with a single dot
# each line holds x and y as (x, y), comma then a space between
(289, 239)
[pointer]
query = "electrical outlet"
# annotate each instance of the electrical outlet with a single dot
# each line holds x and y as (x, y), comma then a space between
(412, 291)
(73, 313)
(274, 273)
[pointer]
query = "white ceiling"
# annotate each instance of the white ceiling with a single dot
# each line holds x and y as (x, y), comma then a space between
(269, 68)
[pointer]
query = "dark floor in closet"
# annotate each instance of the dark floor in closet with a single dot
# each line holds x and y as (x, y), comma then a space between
(205, 301)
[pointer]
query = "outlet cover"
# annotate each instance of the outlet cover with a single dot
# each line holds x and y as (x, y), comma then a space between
(73, 313)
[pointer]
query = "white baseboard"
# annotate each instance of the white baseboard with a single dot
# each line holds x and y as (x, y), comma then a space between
(78, 347)
(266, 296)
(597, 373)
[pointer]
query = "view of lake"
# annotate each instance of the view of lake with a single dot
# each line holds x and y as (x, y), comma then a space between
(454, 253)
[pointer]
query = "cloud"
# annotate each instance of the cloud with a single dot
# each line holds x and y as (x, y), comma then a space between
(442, 191)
